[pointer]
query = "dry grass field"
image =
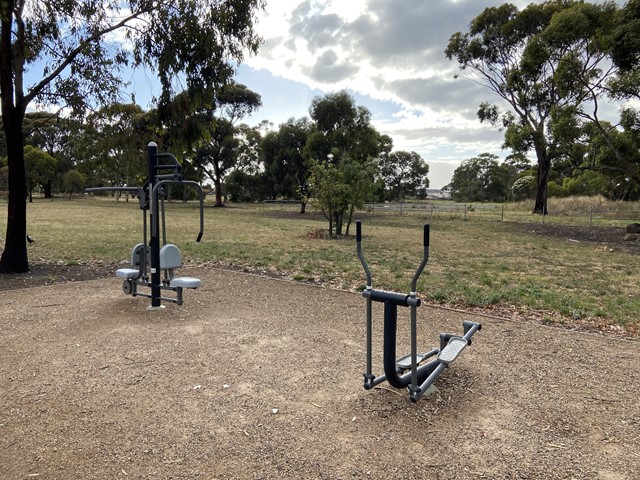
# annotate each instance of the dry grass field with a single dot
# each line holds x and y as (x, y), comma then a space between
(579, 276)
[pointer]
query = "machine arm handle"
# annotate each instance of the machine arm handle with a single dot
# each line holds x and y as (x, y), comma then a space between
(201, 209)
(425, 259)
(154, 194)
(360, 255)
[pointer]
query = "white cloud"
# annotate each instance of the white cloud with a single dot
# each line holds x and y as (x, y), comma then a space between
(390, 54)
(380, 49)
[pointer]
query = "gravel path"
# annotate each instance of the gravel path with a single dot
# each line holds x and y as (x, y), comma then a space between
(262, 378)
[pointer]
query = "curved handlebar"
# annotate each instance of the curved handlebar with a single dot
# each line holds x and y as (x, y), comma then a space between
(425, 256)
(188, 182)
(171, 157)
(425, 259)
(360, 256)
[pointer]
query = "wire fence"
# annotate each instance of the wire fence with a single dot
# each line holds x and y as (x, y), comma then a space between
(507, 212)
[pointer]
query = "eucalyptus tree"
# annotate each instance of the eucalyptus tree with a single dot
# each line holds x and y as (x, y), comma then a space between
(625, 51)
(114, 145)
(480, 179)
(40, 168)
(580, 40)
(341, 150)
(404, 173)
(75, 60)
(249, 158)
(283, 156)
(73, 181)
(544, 58)
(224, 142)
(59, 137)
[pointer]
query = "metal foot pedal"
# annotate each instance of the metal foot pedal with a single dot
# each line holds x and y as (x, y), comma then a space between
(404, 362)
(454, 348)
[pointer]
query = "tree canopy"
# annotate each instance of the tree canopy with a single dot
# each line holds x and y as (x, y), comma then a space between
(550, 63)
(283, 154)
(404, 173)
(341, 150)
(71, 49)
(41, 168)
(221, 148)
(481, 179)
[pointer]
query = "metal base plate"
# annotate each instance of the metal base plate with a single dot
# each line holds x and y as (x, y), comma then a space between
(454, 348)
(153, 309)
(404, 362)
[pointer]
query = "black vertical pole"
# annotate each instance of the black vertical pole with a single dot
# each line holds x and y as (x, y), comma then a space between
(154, 242)
(389, 348)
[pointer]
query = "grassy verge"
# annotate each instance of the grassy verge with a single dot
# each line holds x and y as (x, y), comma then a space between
(472, 263)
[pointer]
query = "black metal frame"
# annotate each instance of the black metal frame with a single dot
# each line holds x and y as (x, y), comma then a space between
(419, 377)
(151, 198)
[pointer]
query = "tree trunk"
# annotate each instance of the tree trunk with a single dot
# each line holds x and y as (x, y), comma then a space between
(14, 257)
(47, 187)
(218, 188)
(351, 210)
(303, 191)
(542, 181)
(339, 217)
(216, 176)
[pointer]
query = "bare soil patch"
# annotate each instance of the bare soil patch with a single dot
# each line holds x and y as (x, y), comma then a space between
(42, 274)
(261, 378)
(607, 237)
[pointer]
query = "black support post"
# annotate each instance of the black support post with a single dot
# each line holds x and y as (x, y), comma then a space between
(154, 238)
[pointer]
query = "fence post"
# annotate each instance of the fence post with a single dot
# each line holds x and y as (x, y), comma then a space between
(590, 217)
(503, 212)
(465, 211)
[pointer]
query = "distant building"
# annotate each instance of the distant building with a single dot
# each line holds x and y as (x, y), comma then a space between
(435, 194)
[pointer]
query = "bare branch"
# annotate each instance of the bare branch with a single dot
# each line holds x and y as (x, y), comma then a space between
(76, 51)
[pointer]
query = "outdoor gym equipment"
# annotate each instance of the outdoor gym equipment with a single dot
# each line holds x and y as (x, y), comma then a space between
(407, 371)
(154, 266)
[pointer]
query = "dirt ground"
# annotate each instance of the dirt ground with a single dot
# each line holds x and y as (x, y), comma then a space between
(259, 378)
(606, 237)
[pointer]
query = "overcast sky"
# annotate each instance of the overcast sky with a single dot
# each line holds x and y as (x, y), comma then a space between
(390, 55)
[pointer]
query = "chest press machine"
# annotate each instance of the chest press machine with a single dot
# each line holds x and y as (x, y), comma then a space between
(408, 370)
(153, 266)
